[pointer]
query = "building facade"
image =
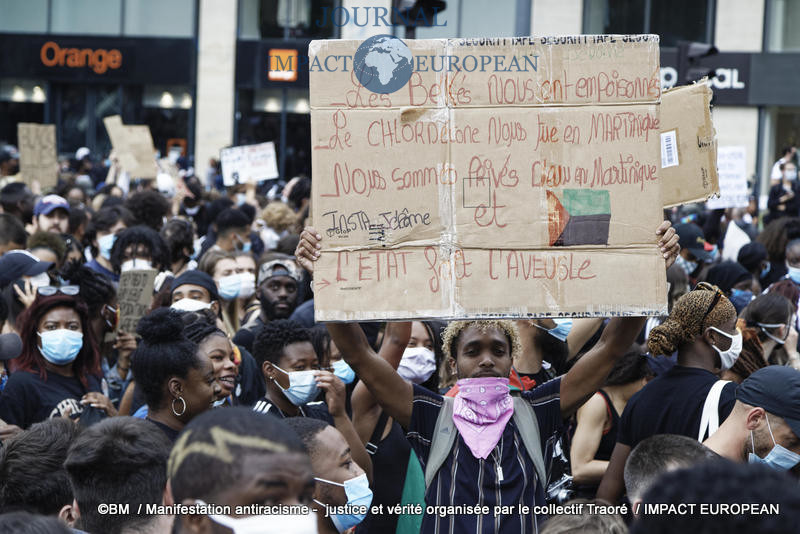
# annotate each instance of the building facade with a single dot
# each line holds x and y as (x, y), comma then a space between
(198, 71)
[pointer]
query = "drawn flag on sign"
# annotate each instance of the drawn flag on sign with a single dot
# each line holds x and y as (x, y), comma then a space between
(578, 217)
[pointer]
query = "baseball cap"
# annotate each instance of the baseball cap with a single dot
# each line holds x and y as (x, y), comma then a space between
(691, 238)
(49, 203)
(775, 388)
(82, 152)
(10, 346)
(16, 263)
(279, 267)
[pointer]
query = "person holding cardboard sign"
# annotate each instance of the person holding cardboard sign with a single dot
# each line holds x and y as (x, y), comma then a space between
(483, 446)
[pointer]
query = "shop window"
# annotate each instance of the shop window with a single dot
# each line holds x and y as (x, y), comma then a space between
(87, 17)
(156, 18)
(689, 20)
(783, 20)
(29, 16)
(259, 19)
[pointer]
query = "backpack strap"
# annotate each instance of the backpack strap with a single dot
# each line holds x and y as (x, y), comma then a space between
(709, 421)
(528, 427)
(444, 435)
(377, 433)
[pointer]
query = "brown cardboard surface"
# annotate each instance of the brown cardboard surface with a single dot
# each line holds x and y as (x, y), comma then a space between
(453, 207)
(686, 112)
(134, 147)
(37, 153)
(135, 294)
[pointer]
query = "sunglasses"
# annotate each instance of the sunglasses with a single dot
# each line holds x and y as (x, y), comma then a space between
(47, 291)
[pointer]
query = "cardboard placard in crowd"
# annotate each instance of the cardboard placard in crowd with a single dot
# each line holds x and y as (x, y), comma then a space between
(133, 145)
(732, 169)
(248, 164)
(134, 295)
(529, 187)
(688, 145)
(38, 159)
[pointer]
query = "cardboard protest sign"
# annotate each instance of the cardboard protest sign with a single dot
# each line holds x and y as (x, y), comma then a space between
(688, 145)
(732, 179)
(479, 192)
(134, 147)
(250, 163)
(37, 153)
(134, 295)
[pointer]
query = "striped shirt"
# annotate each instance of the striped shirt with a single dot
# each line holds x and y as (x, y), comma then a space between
(314, 410)
(505, 478)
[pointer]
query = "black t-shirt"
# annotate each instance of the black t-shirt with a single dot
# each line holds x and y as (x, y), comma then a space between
(672, 403)
(246, 336)
(28, 399)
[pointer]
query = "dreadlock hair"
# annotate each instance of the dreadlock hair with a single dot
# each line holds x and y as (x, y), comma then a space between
(217, 444)
(164, 352)
(454, 329)
(88, 359)
(178, 234)
(275, 336)
(104, 220)
(631, 367)
(140, 235)
(95, 289)
(695, 311)
(148, 207)
(776, 235)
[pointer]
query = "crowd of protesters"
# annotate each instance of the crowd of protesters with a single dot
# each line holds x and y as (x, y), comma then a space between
(228, 409)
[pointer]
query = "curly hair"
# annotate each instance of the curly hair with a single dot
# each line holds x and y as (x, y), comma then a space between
(95, 289)
(279, 216)
(454, 329)
(705, 306)
(275, 336)
(148, 207)
(145, 235)
(48, 241)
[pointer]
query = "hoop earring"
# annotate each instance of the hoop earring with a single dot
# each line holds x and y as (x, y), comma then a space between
(183, 411)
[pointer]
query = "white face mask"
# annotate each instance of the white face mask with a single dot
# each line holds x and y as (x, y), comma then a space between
(268, 524)
(40, 280)
(417, 364)
(135, 264)
(190, 305)
(728, 357)
(248, 285)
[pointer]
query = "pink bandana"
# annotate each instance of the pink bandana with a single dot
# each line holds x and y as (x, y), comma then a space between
(481, 410)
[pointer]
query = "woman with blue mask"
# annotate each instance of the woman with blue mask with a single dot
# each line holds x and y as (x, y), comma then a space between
(222, 267)
(58, 373)
(342, 492)
(102, 233)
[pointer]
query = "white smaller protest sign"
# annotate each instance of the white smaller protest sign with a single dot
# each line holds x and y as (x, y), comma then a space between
(250, 163)
(732, 179)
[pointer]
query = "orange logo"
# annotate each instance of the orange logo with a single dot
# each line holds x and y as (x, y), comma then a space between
(99, 60)
(282, 65)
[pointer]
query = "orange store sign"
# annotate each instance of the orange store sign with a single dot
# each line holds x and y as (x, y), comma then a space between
(99, 60)
(282, 65)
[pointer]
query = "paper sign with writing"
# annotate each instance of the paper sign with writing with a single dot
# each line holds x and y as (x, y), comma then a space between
(489, 193)
(135, 295)
(732, 179)
(249, 163)
(134, 147)
(37, 153)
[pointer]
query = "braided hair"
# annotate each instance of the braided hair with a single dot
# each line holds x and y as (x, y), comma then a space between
(694, 312)
(95, 289)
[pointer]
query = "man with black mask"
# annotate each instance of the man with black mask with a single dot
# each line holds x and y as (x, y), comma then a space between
(277, 291)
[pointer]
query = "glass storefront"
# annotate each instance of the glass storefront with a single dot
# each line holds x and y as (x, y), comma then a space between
(783, 20)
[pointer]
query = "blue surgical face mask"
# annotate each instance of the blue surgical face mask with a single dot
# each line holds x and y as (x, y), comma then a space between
(344, 371)
(62, 346)
(560, 331)
(105, 244)
(247, 246)
(740, 298)
(765, 270)
(688, 266)
(229, 286)
(358, 494)
(302, 386)
(793, 273)
(241, 198)
(778, 458)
